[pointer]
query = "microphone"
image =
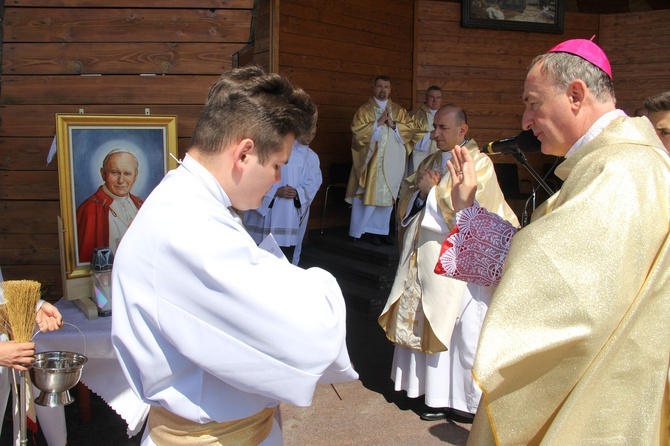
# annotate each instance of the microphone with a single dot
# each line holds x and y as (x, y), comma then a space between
(525, 142)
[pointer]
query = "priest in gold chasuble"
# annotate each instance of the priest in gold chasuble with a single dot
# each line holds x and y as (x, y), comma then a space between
(381, 129)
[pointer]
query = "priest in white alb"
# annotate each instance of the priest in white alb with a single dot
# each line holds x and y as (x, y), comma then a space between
(434, 321)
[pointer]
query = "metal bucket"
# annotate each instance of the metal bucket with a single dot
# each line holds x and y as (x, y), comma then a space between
(54, 374)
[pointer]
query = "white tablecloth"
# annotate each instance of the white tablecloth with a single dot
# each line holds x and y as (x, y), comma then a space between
(102, 373)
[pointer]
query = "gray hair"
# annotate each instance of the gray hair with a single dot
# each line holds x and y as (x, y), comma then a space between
(564, 68)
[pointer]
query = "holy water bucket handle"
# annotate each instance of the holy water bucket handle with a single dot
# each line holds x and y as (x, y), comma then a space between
(71, 325)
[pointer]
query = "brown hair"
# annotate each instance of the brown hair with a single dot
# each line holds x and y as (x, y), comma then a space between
(248, 103)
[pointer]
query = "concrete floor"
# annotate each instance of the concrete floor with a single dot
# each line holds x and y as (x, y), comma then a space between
(364, 412)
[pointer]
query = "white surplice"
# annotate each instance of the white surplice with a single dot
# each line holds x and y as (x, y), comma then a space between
(284, 220)
(210, 326)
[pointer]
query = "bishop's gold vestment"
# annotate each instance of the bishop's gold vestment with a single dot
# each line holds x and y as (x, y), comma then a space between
(576, 343)
(422, 307)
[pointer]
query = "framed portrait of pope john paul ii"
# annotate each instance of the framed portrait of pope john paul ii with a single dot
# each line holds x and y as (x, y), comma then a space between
(107, 166)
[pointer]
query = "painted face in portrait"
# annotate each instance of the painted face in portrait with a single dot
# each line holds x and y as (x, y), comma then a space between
(119, 173)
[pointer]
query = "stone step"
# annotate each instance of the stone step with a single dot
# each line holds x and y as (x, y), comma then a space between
(364, 272)
(349, 268)
(338, 241)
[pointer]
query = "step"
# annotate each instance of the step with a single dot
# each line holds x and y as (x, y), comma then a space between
(362, 249)
(363, 298)
(345, 267)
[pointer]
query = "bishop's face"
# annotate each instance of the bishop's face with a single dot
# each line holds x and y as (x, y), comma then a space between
(548, 114)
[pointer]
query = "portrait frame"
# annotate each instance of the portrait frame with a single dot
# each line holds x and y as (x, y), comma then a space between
(520, 15)
(83, 141)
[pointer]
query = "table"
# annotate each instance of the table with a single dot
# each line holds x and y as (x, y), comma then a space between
(102, 373)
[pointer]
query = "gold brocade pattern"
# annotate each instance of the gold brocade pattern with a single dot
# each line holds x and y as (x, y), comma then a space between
(423, 307)
(376, 172)
(575, 346)
(423, 122)
(168, 429)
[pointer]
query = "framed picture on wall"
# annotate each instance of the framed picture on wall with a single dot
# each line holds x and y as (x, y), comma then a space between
(107, 166)
(521, 15)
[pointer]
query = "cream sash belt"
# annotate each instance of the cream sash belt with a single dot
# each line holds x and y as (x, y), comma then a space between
(168, 429)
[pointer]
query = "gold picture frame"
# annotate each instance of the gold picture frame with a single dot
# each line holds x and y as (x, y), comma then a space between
(83, 142)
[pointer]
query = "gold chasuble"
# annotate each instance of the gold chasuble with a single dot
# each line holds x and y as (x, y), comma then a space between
(378, 169)
(423, 122)
(575, 346)
(422, 307)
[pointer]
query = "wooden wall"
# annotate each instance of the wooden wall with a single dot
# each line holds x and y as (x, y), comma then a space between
(637, 45)
(334, 50)
(67, 55)
(483, 70)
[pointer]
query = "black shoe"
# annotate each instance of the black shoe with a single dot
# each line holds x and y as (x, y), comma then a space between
(388, 240)
(376, 240)
(433, 415)
(460, 417)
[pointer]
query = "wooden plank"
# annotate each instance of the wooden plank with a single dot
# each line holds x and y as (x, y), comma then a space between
(48, 275)
(492, 63)
(115, 58)
(497, 37)
(113, 89)
(29, 217)
(25, 154)
(358, 15)
(477, 47)
(28, 185)
(633, 59)
(292, 60)
(126, 25)
(345, 82)
(339, 33)
(434, 74)
(28, 249)
(40, 120)
(224, 4)
(346, 51)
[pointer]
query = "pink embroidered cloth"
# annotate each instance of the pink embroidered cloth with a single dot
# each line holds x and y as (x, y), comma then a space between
(476, 249)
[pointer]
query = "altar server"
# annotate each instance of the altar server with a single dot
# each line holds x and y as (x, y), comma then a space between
(211, 330)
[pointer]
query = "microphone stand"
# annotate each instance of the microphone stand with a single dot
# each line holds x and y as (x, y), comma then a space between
(525, 219)
(521, 158)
